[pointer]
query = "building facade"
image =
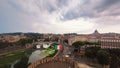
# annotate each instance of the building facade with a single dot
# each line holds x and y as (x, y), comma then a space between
(107, 40)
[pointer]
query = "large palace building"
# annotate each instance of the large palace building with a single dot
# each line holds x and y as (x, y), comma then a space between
(107, 40)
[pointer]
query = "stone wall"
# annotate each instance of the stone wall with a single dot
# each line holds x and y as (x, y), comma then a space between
(55, 59)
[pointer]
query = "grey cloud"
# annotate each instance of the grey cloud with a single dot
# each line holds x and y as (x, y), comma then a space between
(93, 9)
(45, 5)
(84, 10)
(47, 15)
(49, 6)
(62, 3)
(72, 15)
(106, 4)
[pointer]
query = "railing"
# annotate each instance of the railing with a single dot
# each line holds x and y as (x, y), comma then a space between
(58, 59)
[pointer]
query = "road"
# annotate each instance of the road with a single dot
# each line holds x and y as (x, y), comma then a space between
(67, 50)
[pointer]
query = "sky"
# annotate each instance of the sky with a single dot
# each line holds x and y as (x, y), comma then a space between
(60, 16)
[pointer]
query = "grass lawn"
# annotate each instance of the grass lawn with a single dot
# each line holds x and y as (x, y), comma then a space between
(8, 59)
(50, 52)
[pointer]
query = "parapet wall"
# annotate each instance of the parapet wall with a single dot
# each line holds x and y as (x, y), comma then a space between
(55, 59)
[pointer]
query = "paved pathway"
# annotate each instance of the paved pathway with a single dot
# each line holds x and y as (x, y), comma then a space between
(81, 65)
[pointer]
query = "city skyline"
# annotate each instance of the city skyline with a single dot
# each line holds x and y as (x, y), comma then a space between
(60, 16)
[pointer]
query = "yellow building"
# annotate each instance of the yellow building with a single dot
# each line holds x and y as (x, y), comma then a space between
(73, 39)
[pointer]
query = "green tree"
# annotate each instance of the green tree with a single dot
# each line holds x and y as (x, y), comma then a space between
(78, 44)
(91, 52)
(103, 57)
(25, 41)
(4, 44)
(23, 63)
(115, 61)
(115, 58)
(46, 40)
(66, 41)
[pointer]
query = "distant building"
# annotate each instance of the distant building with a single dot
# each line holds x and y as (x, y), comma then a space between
(77, 38)
(110, 43)
(46, 45)
(107, 40)
(38, 46)
(11, 38)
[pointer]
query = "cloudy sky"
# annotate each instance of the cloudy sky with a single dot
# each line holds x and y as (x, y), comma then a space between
(59, 16)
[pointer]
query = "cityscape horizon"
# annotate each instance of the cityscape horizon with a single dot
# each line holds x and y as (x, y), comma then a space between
(59, 33)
